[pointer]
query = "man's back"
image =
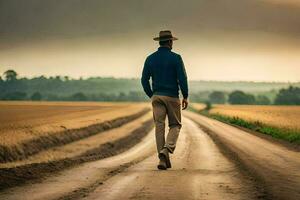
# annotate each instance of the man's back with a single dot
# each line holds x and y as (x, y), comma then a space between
(167, 71)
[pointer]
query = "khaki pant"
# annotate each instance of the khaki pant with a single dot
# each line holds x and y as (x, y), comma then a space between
(166, 106)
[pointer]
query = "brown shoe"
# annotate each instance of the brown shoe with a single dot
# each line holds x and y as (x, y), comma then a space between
(164, 153)
(162, 164)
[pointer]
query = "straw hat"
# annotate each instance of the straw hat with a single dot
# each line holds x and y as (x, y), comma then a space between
(165, 36)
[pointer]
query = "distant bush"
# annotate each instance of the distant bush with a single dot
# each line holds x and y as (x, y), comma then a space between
(217, 97)
(78, 97)
(262, 100)
(207, 106)
(289, 96)
(36, 96)
(239, 97)
(10, 75)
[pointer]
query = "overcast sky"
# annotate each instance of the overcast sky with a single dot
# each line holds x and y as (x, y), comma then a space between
(252, 40)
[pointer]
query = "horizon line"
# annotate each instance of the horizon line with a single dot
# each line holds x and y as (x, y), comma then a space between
(119, 77)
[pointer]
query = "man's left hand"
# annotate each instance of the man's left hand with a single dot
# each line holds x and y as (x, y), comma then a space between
(185, 104)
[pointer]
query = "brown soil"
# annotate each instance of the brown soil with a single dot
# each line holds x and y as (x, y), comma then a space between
(23, 121)
(79, 147)
(31, 147)
(10, 177)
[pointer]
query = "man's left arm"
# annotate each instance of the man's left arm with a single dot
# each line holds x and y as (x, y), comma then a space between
(183, 83)
(182, 78)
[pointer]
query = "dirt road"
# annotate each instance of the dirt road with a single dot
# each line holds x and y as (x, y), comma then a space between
(260, 169)
(200, 172)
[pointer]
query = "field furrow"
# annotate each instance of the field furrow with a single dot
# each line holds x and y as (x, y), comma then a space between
(34, 146)
(27, 121)
(86, 146)
(48, 162)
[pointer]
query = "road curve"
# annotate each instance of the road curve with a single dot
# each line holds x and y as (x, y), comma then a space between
(277, 166)
(200, 171)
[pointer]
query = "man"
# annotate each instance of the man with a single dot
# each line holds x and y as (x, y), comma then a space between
(166, 69)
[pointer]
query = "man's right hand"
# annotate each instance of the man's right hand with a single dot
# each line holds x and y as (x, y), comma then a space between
(185, 104)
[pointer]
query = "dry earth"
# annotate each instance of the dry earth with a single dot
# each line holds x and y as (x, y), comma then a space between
(108, 129)
(45, 130)
(200, 171)
(213, 160)
(21, 122)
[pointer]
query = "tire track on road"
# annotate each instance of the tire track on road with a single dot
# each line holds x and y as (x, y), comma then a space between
(275, 166)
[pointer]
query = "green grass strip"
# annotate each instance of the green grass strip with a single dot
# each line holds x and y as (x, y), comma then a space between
(289, 135)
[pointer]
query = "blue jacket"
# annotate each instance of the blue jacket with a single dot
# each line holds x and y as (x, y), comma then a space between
(167, 72)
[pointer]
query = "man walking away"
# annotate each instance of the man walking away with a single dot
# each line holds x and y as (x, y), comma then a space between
(167, 72)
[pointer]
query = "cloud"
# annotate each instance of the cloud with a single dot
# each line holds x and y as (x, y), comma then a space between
(81, 18)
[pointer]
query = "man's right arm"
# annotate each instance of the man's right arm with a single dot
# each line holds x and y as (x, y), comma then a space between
(146, 78)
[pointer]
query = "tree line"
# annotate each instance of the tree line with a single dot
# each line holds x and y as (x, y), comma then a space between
(63, 88)
(285, 96)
